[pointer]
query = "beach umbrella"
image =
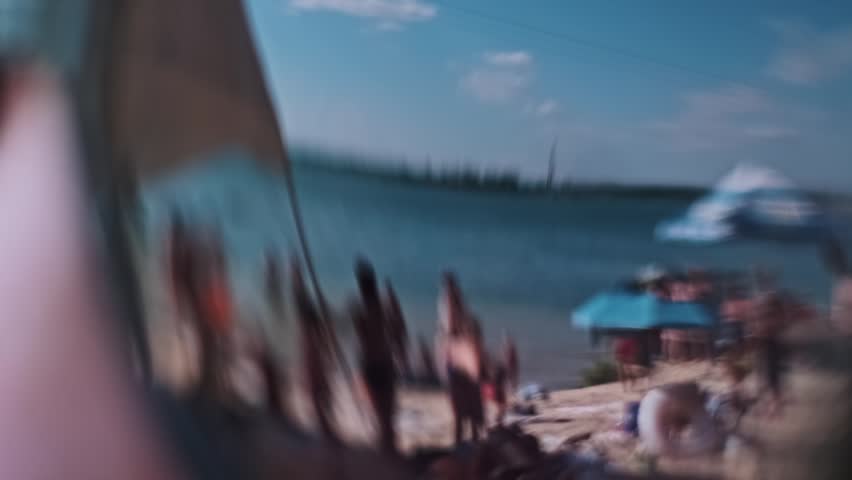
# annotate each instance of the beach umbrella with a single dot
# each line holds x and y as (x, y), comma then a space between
(751, 201)
(617, 310)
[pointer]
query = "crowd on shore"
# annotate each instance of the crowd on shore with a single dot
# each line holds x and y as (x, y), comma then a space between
(752, 335)
(457, 360)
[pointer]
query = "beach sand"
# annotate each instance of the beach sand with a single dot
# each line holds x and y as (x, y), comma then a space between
(789, 446)
(585, 419)
(582, 419)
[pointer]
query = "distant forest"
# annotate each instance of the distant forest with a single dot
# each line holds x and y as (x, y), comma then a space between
(471, 178)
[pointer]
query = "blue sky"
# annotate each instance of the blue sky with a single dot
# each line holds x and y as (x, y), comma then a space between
(647, 92)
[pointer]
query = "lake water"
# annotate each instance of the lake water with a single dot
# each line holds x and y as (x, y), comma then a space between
(524, 261)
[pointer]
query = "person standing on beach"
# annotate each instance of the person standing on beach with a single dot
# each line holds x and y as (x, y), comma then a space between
(184, 254)
(180, 265)
(216, 314)
(273, 379)
(427, 373)
(465, 372)
(398, 330)
(835, 260)
(451, 304)
(767, 331)
(452, 313)
(219, 308)
(511, 362)
(273, 285)
(200, 291)
(377, 367)
(316, 353)
(460, 358)
(499, 382)
(626, 352)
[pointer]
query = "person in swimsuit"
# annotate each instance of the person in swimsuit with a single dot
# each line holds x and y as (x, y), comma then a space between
(464, 377)
(180, 265)
(271, 375)
(835, 260)
(218, 303)
(183, 279)
(273, 285)
(772, 352)
(452, 314)
(316, 353)
(451, 304)
(499, 384)
(427, 374)
(511, 361)
(626, 353)
(214, 313)
(376, 352)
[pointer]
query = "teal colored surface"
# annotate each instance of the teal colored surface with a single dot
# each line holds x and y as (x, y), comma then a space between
(525, 262)
(628, 311)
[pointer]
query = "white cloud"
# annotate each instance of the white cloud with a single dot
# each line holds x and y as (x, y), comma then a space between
(769, 132)
(809, 57)
(505, 77)
(492, 85)
(727, 118)
(547, 107)
(499, 77)
(390, 14)
(517, 58)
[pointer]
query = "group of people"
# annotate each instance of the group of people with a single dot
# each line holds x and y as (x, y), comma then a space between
(750, 323)
(633, 353)
(752, 331)
(458, 359)
(200, 293)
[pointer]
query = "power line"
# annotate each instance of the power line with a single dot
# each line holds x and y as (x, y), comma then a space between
(620, 51)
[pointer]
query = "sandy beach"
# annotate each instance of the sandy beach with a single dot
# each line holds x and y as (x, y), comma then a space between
(581, 419)
(585, 419)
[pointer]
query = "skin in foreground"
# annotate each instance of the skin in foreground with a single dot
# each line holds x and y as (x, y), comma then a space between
(69, 408)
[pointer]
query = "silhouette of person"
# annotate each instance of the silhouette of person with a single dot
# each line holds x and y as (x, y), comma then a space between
(316, 353)
(376, 352)
(398, 330)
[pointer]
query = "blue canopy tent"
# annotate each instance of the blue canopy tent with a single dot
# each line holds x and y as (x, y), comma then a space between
(751, 201)
(622, 310)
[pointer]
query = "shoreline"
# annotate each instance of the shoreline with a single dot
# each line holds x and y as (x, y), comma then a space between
(451, 181)
(471, 179)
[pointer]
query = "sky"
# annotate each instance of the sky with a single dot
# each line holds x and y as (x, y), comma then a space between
(651, 92)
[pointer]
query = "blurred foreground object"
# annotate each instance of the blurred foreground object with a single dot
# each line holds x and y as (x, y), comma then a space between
(68, 409)
(166, 84)
(182, 80)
